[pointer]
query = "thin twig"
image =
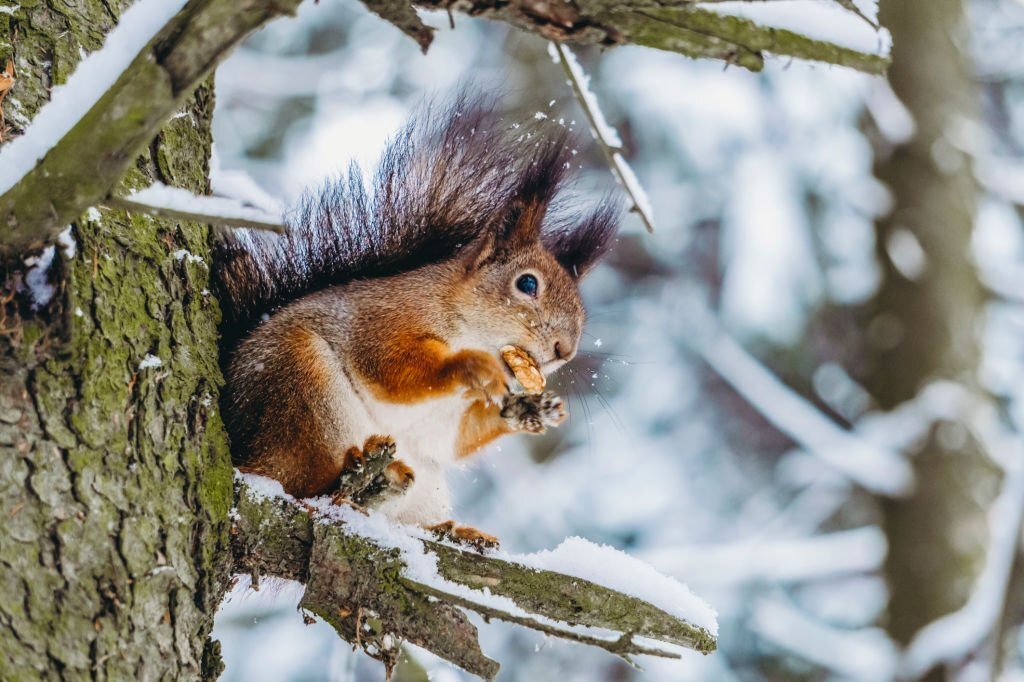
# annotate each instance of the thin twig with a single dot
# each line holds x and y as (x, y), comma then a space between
(128, 204)
(612, 151)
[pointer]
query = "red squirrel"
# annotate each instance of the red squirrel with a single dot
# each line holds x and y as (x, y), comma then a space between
(378, 316)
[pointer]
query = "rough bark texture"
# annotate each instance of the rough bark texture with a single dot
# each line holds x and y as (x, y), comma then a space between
(115, 481)
(926, 327)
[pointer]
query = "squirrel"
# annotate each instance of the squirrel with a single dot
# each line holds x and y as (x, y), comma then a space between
(375, 320)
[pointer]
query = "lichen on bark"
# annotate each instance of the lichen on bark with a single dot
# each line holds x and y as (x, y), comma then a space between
(115, 481)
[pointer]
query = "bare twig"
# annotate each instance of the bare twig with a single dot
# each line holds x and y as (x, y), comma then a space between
(603, 133)
(253, 219)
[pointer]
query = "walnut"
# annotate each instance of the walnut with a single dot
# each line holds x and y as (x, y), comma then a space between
(525, 369)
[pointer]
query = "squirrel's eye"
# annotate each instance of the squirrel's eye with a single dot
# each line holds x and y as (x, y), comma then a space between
(527, 284)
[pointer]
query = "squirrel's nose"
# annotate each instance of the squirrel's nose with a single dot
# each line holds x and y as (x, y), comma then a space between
(564, 351)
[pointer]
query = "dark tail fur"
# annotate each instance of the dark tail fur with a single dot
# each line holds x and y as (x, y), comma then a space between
(451, 176)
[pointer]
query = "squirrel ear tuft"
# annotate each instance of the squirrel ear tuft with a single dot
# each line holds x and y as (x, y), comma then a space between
(478, 252)
(524, 221)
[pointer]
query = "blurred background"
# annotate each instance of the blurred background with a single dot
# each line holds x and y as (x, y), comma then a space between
(801, 395)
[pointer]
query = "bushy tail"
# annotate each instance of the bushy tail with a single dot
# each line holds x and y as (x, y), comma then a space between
(449, 177)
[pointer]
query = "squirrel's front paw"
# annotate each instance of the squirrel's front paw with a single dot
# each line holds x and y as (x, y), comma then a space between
(533, 413)
(482, 375)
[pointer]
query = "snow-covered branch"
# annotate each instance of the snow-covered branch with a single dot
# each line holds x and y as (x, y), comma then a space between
(81, 143)
(378, 584)
(173, 202)
(606, 136)
(736, 32)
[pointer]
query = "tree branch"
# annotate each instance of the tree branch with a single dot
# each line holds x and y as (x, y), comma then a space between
(673, 25)
(82, 168)
(366, 591)
(180, 204)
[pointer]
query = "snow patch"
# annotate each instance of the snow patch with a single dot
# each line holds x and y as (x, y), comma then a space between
(67, 243)
(150, 362)
(37, 278)
(575, 557)
(183, 254)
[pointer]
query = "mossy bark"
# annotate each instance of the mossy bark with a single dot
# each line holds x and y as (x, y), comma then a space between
(115, 480)
(925, 322)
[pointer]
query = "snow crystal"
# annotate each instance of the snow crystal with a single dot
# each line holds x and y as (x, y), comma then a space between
(150, 361)
(597, 343)
(91, 80)
(160, 196)
(540, 115)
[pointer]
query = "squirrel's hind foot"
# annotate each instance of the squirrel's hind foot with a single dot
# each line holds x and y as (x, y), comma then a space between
(464, 535)
(371, 474)
(533, 412)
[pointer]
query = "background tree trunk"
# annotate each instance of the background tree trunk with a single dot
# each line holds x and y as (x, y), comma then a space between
(925, 326)
(115, 480)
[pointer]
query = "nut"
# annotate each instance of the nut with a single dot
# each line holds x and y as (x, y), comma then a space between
(525, 369)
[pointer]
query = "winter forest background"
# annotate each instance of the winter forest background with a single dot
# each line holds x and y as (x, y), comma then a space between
(801, 395)
(724, 352)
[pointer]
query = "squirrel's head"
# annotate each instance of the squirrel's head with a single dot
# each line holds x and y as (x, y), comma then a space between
(520, 281)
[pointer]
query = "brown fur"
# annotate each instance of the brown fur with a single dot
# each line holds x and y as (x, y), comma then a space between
(481, 424)
(304, 387)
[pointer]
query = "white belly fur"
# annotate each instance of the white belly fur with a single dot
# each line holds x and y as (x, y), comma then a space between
(425, 436)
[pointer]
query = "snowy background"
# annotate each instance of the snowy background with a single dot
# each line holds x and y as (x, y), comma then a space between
(715, 432)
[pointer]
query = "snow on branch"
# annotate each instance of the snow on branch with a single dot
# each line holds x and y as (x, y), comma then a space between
(607, 137)
(173, 202)
(80, 144)
(378, 584)
(842, 32)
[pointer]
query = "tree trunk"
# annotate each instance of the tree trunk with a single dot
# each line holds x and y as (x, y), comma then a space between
(115, 478)
(925, 321)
